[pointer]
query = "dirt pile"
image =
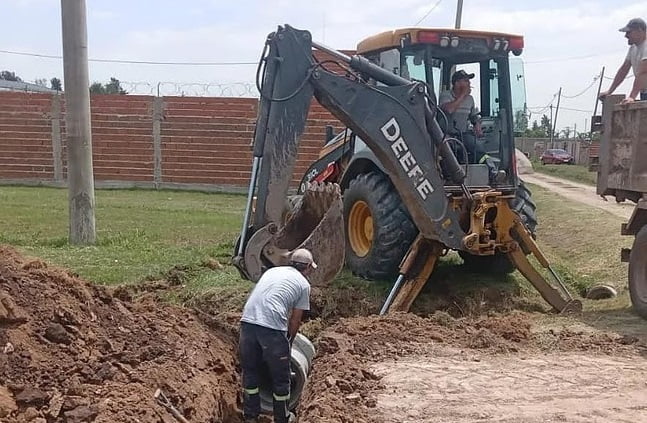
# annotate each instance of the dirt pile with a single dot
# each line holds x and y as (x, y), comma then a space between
(343, 388)
(74, 352)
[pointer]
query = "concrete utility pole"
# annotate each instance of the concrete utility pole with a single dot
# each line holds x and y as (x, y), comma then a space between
(459, 14)
(595, 109)
(80, 175)
(559, 97)
(552, 127)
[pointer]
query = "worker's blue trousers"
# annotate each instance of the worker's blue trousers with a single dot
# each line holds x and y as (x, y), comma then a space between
(265, 352)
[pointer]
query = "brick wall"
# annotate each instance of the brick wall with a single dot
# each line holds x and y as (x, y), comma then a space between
(192, 142)
(26, 136)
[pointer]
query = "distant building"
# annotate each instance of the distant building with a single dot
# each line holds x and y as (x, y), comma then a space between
(23, 86)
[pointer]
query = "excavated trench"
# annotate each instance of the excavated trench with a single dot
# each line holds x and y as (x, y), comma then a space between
(74, 352)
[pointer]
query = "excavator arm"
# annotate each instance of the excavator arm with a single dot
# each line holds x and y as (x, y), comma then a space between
(395, 117)
(397, 121)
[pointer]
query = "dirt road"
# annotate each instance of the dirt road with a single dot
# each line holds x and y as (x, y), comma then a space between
(579, 192)
(458, 386)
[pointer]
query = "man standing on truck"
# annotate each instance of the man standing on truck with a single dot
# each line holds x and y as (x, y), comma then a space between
(460, 108)
(635, 33)
(271, 319)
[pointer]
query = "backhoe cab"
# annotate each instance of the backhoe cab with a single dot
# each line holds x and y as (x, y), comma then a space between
(411, 188)
(377, 227)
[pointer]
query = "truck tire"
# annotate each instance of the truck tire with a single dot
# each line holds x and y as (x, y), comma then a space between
(378, 228)
(638, 273)
(500, 264)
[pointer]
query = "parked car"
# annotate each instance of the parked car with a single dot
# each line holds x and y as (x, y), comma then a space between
(556, 156)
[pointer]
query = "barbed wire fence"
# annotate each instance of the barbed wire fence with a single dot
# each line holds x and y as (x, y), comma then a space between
(191, 89)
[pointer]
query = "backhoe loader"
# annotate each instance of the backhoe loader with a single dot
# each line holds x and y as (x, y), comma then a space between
(411, 192)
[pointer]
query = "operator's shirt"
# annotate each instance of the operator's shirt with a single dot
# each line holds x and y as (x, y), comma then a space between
(277, 292)
(636, 54)
(464, 114)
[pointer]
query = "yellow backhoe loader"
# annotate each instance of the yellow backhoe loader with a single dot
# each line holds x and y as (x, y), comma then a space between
(412, 188)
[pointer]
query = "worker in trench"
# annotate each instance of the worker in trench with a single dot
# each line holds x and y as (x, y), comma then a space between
(271, 319)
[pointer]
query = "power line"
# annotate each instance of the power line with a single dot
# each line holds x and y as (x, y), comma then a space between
(543, 109)
(428, 13)
(595, 79)
(576, 110)
(612, 78)
(132, 62)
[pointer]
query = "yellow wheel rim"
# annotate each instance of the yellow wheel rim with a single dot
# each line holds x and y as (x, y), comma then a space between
(360, 228)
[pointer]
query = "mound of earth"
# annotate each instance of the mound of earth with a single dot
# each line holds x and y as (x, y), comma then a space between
(346, 384)
(73, 352)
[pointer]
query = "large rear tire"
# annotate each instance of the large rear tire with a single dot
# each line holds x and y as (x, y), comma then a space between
(378, 227)
(525, 206)
(638, 273)
(500, 263)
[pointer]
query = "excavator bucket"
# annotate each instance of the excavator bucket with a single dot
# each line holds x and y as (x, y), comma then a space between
(316, 223)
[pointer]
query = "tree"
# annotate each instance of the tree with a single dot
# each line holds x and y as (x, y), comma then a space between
(520, 121)
(566, 131)
(55, 84)
(539, 130)
(41, 81)
(97, 88)
(9, 76)
(546, 125)
(112, 87)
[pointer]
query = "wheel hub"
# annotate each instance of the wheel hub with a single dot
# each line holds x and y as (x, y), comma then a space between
(360, 228)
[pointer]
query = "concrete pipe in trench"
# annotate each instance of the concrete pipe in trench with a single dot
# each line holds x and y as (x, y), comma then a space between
(301, 358)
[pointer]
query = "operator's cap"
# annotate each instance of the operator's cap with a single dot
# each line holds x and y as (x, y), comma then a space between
(461, 74)
(303, 256)
(635, 23)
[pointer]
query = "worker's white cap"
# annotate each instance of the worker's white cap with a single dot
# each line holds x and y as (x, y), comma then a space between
(304, 256)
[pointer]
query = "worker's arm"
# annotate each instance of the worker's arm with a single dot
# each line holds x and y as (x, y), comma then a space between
(478, 129)
(452, 106)
(449, 105)
(303, 303)
(640, 82)
(294, 323)
(475, 119)
(617, 80)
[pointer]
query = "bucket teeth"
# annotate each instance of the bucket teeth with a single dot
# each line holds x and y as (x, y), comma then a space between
(316, 223)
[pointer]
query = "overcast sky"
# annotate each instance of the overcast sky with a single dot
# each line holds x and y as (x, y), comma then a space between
(567, 42)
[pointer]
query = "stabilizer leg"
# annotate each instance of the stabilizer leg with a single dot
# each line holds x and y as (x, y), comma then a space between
(415, 270)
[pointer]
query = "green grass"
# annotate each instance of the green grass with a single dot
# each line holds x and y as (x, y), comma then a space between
(140, 233)
(575, 173)
(583, 241)
(148, 234)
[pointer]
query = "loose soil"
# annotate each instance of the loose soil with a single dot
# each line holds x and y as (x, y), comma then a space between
(404, 368)
(74, 352)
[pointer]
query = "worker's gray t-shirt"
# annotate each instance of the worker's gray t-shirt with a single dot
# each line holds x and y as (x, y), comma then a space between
(636, 54)
(465, 113)
(277, 292)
